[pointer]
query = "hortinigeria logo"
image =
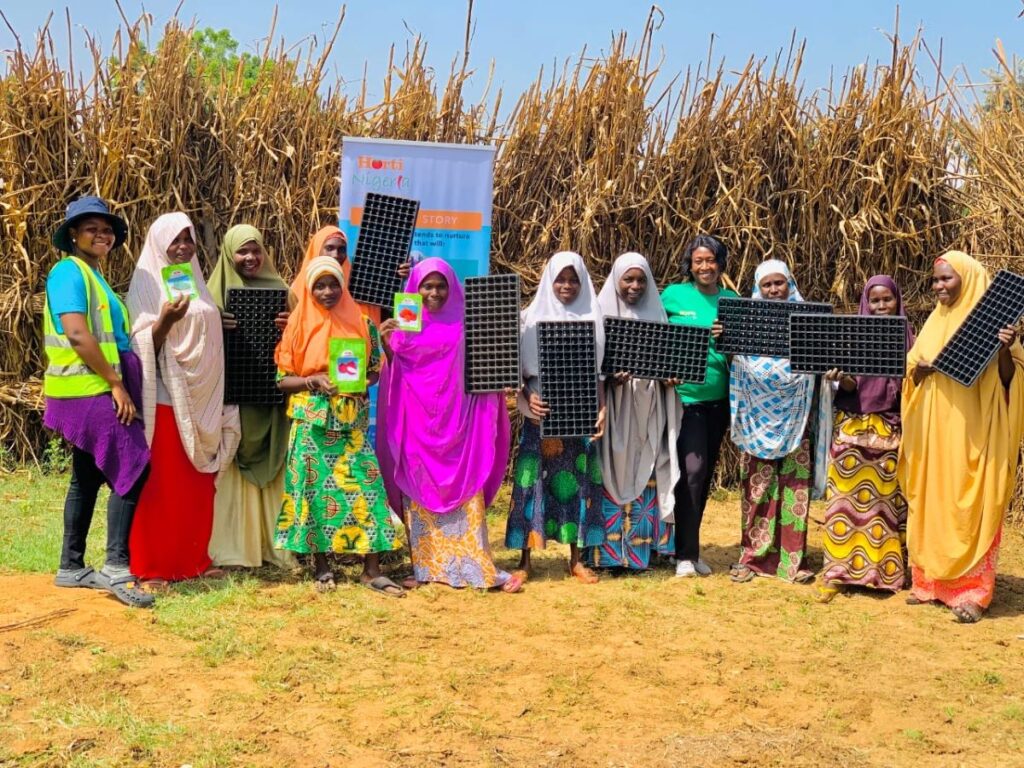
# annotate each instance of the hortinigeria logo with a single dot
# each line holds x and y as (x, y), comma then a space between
(368, 163)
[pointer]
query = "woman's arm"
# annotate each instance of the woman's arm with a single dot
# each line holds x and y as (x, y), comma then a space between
(76, 329)
(1006, 365)
(170, 313)
(318, 382)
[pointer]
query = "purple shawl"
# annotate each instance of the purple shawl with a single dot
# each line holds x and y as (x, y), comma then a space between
(875, 394)
(436, 444)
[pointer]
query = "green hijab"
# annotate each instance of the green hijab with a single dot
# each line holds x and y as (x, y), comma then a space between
(261, 452)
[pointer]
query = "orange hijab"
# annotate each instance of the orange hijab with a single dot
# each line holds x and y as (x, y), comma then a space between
(306, 339)
(314, 249)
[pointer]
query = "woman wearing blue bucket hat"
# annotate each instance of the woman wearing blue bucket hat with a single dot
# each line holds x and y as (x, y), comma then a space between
(93, 384)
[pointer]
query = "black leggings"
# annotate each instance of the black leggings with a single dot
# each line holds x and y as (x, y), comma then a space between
(86, 479)
(700, 440)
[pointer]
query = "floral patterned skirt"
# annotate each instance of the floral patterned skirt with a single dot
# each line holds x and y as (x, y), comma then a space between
(453, 548)
(775, 505)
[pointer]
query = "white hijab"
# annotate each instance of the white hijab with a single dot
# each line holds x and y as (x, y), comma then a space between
(191, 360)
(643, 416)
(546, 306)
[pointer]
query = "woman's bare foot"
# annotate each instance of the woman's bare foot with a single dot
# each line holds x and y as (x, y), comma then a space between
(514, 583)
(583, 574)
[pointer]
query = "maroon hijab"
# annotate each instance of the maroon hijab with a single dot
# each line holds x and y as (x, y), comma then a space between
(875, 394)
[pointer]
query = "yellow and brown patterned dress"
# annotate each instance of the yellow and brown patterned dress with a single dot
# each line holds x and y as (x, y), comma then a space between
(866, 516)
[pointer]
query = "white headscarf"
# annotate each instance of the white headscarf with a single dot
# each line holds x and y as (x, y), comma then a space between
(612, 305)
(643, 416)
(546, 306)
(191, 360)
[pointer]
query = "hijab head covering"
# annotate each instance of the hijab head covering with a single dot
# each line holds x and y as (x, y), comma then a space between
(316, 247)
(225, 275)
(264, 442)
(191, 361)
(771, 405)
(959, 454)
(875, 394)
(647, 308)
(307, 337)
(436, 444)
(547, 306)
(775, 267)
(643, 416)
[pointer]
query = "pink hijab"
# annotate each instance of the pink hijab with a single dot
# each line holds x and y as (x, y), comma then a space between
(436, 444)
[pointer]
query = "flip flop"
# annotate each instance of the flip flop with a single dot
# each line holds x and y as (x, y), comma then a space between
(384, 586)
(325, 582)
(83, 578)
(803, 577)
(513, 584)
(968, 613)
(825, 594)
(741, 574)
(155, 586)
(127, 589)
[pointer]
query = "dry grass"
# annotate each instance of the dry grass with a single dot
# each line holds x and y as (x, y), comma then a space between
(875, 174)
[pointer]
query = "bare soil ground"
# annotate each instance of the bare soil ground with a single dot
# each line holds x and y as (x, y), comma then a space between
(639, 670)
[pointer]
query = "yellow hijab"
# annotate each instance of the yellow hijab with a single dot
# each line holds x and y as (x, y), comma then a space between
(958, 460)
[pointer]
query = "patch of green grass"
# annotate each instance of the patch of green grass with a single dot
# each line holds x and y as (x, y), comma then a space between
(138, 736)
(1013, 712)
(33, 516)
(217, 616)
(914, 735)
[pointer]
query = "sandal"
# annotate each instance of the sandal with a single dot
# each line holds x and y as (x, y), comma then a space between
(213, 572)
(803, 577)
(825, 593)
(968, 613)
(155, 586)
(583, 574)
(384, 586)
(741, 574)
(325, 582)
(85, 578)
(513, 584)
(911, 600)
(127, 589)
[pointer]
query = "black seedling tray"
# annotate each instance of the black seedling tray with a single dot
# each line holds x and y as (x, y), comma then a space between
(653, 350)
(975, 343)
(567, 354)
(250, 372)
(759, 328)
(382, 245)
(492, 333)
(861, 345)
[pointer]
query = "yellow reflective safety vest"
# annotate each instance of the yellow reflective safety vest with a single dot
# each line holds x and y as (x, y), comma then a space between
(66, 374)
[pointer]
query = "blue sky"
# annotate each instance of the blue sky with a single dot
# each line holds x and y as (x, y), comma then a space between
(523, 35)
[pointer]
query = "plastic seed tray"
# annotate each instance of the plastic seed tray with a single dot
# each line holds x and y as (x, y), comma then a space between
(567, 353)
(862, 345)
(975, 343)
(492, 333)
(653, 350)
(249, 367)
(760, 328)
(383, 243)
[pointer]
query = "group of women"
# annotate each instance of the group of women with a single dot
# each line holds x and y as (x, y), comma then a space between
(917, 473)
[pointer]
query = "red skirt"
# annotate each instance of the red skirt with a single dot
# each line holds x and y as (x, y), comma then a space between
(170, 535)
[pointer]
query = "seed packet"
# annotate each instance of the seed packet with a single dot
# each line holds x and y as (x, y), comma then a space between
(346, 365)
(409, 311)
(179, 281)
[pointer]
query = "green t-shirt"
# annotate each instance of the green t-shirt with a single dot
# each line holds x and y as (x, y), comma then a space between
(686, 305)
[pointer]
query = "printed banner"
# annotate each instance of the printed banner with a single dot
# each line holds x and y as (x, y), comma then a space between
(453, 182)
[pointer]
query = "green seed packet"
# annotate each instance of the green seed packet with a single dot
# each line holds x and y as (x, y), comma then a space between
(179, 281)
(409, 311)
(346, 364)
